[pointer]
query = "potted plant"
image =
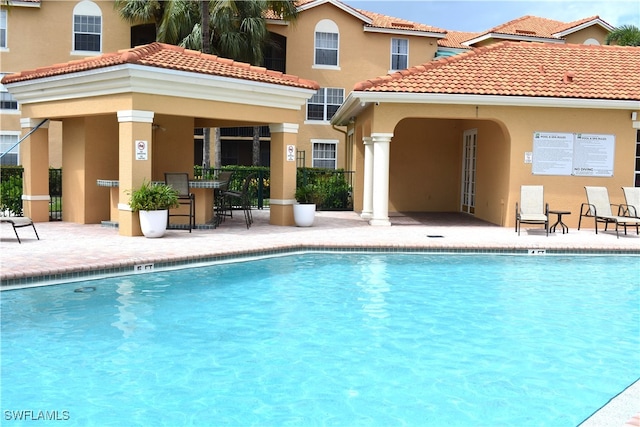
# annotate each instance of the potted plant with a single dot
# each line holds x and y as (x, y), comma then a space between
(308, 197)
(153, 202)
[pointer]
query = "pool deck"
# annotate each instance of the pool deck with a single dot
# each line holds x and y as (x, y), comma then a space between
(69, 251)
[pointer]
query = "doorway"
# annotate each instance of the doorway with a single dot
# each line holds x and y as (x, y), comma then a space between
(469, 150)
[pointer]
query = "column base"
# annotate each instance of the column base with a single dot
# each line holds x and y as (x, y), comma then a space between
(366, 215)
(378, 222)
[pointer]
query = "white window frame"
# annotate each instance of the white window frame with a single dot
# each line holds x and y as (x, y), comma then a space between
(334, 143)
(322, 92)
(395, 44)
(8, 144)
(86, 9)
(326, 26)
(3, 30)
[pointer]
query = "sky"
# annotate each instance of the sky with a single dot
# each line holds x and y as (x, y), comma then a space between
(481, 15)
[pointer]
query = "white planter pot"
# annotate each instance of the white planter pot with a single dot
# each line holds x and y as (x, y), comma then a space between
(153, 223)
(304, 214)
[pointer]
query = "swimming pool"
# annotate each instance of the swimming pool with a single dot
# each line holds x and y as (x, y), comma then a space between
(329, 339)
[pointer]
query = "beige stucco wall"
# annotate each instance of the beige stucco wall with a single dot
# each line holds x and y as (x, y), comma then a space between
(362, 55)
(53, 23)
(42, 36)
(595, 32)
(90, 153)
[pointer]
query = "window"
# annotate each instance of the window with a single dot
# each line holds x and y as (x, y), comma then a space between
(3, 29)
(7, 102)
(87, 27)
(324, 154)
(399, 54)
(7, 141)
(324, 104)
(326, 44)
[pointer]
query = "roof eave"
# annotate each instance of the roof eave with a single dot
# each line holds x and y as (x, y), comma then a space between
(583, 26)
(18, 3)
(339, 5)
(402, 32)
(133, 78)
(359, 100)
(511, 37)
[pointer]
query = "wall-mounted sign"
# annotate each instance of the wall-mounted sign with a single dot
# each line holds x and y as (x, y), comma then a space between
(557, 153)
(142, 150)
(291, 153)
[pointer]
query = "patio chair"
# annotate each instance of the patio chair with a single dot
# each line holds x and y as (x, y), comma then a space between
(631, 207)
(19, 222)
(242, 198)
(599, 208)
(221, 205)
(532, 209)
(180, 182)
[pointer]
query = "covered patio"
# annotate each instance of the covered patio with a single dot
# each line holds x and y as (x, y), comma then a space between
(130, 116)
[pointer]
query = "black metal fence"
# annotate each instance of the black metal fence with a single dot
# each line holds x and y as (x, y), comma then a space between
(55, 194)
(336, 184)
(11, 192)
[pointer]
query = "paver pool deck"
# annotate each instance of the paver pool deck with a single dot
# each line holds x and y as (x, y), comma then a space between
(68, 251)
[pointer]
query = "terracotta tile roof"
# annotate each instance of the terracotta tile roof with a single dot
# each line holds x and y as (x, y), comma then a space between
(534, 26)
(167, 56)
(391, 23)
(378, 20)
(524, 69)
(456, 38)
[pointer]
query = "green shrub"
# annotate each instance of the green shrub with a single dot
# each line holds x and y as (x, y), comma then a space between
(11, 195)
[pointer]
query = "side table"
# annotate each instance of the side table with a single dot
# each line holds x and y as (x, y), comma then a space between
(559, 221)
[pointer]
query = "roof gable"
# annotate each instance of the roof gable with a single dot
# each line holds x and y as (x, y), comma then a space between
(534, 28)
(160, 55)
(377, 22)
(524, 69)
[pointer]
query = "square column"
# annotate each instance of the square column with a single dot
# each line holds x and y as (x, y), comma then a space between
(134, 164)
(367, 193)
(381, 147)
(34, 156)
(283, 173)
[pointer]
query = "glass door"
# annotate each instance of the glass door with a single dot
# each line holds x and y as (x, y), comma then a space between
(469, 148)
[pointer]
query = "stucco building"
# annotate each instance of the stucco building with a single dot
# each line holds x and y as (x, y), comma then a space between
(465, 132)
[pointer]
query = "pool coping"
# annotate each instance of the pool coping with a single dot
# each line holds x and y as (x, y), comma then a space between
(16, 280)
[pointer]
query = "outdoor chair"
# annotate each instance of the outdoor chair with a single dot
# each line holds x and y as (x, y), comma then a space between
(599, 208)
(631, 207)
(532, 209)
(19, 222)
(180, 182)
(222, 207)
(242, 198)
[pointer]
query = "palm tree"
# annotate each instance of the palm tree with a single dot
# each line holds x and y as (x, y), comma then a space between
(626, 35)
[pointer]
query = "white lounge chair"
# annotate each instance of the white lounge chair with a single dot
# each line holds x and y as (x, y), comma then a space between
(599, 208)
(19, 222)
(532, 209)
(631, 207)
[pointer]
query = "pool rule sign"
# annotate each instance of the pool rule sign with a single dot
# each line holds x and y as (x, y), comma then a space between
(142, 150)
(577, 154)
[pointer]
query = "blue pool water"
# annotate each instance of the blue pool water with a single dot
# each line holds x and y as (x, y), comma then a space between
(328, 340)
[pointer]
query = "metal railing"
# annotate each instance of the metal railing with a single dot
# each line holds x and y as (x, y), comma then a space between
(11, 191)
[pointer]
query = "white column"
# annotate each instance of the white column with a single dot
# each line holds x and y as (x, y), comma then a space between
(367, 194)
(381, 145)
